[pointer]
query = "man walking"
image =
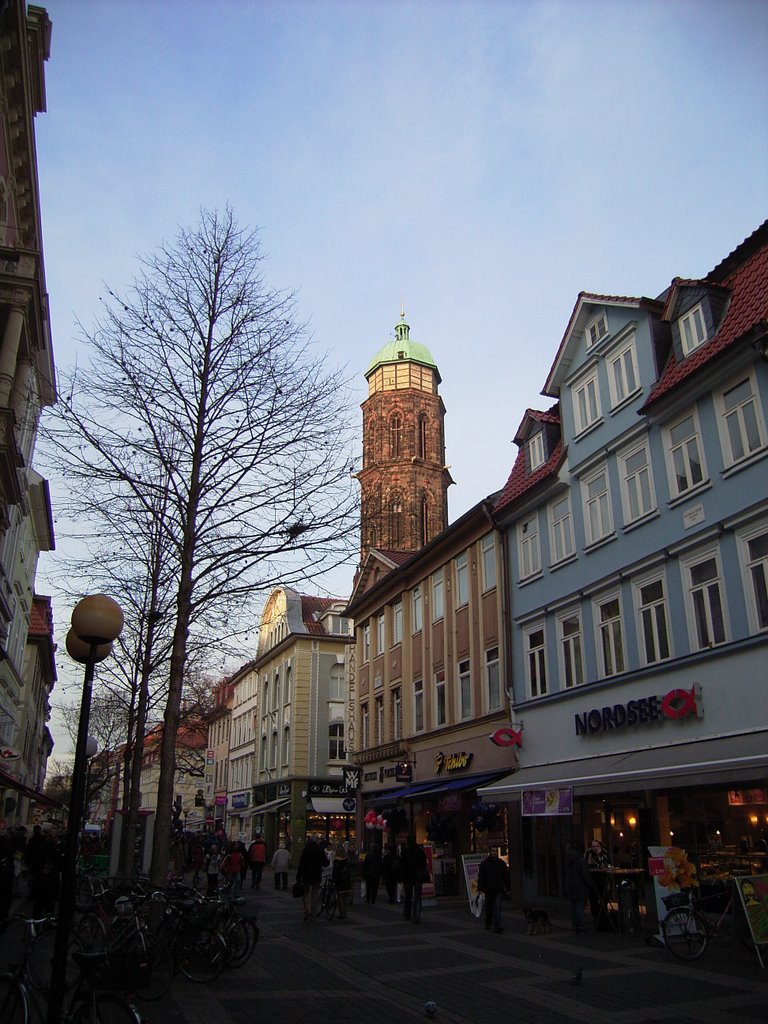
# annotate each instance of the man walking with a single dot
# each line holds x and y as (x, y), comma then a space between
(257, 858)
(493, 882)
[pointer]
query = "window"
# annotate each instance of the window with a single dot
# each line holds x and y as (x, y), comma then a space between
(424, 519)
(336, 748)
(488, 551)
(686, 461)
(753, 545)
(440, 699)
(530, 551)
(287, 744)
(396, 522)
(397, 714)
(597, 500)
(437, 595)
(536, 451)
(705, 605)
(273, 750)
(367, 642)
(336, 688)
(623, 378)
(610, 637)
(586, 403)
(395, 435)
(462, 580)
(654, 627)
(465, 690)
(570, 650)
(561, 529)
(378, 735)
(418, 612)
(536, 661)
(741, 423)
(418, 706)
(596, 330)
(421, 446)
(365, 726)
(380, 634)
(637, 484)
(492, 679)
(397, 623)
(264, 752)
(288, 684)
(692, 330)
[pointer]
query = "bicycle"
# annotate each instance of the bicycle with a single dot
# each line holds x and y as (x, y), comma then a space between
(687, 929)
(328, 900)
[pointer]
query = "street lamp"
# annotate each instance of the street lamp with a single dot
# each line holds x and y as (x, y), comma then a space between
(96, 621)
(91, 750)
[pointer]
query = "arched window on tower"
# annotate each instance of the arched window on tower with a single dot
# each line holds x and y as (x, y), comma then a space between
(424, 519)
(396, 523)
(369, 450)
(395, 435)
(421, 439)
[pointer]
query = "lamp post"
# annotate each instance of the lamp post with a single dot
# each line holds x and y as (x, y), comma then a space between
(91, 750)
(96, 621)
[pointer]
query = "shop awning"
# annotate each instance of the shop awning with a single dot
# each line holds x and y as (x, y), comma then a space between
(434, 787)
(271, 806)
(9, 782)
(728, 760)
(334, 804)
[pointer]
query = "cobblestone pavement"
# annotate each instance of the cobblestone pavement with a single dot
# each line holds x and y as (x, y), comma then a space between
(376, 965)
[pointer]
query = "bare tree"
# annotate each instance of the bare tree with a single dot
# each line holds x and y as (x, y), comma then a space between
(203, 393)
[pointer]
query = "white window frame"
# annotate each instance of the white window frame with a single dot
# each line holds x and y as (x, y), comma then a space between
(381, 633)
(441, 699)
(738, 416)
(705, 600)
(488, 551)
(365, 726)
(418, 705)
(397, 623)
(679, 455)
(397, 713)
(562, 543)
(609, 635)
(753, 555)
(693, 329)
(638, 495)
(596, 329)
(571, 646)
(529, 546)
(597, 506)
(536, 671)
(438, 595)
(366, 642)
(623, 376)
(650, 614)
(464, 690)
(536, 451)
(586, 413)
(462, 579)
(378, 725)
(417, 608)
(493, 679)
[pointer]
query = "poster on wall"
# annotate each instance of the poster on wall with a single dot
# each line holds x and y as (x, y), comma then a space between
(753, 890)
(673, 875)
(539, 802)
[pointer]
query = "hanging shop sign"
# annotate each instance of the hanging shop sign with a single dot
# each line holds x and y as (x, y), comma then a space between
(673, 706)
(240, 800)
(452, 762)
(507, 736)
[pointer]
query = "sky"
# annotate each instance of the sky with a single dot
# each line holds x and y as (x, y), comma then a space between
(482, 162)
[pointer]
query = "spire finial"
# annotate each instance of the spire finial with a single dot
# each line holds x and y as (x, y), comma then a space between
(402, 305)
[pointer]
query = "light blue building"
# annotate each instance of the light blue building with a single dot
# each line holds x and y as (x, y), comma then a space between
(636, 529)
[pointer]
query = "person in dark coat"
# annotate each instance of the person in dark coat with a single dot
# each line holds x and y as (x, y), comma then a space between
(579, 885)
(493, 882)
(372, 873)
(310, 873)
(390, 868)
(414, 873)
(7, 875)
(45, 888)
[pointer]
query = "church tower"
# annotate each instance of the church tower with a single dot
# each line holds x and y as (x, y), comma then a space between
(404, 480)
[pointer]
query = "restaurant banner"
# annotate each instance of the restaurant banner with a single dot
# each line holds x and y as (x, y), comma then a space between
(542, 802)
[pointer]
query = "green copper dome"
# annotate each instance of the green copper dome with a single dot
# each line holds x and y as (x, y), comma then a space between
(402, 348)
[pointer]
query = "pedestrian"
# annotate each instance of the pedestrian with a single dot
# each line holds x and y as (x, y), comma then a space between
(33, 857)
(46, 884)
(342, 880)
(198, 862)
(7, 875)
(309, 874)
(599, 863)
(390, 869)
(493, 882)
(579, 885)
(212, 870)
(414, 873)
(281, 861)
(372, 873)
(354, 866)
(257, 858)
(232, 866)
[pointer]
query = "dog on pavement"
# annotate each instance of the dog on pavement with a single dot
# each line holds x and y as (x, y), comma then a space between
(538, 920)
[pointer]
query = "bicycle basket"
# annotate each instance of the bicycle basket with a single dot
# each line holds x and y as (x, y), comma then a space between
(676, 899)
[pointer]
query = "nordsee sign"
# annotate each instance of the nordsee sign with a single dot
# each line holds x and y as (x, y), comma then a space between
(673, 706)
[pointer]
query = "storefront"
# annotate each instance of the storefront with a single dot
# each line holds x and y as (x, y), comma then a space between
(288, 812)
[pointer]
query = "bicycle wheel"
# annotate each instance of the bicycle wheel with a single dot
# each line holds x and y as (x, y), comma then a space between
(200, 953)
(238, 939)
(14, 1003)
(104, 1008)
(160, 967)
(91, 933)
(685, 933)
(330, 905)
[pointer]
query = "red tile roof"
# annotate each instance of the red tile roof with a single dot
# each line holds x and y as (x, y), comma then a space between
(745, 273)
(41, 617)
(520, 480)
(311, 608)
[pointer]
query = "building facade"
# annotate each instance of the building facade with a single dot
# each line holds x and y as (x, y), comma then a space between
(636, 518)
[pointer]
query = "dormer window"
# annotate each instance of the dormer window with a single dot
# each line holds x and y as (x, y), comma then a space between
(536, 451)
(596, 330)
(692, 330)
